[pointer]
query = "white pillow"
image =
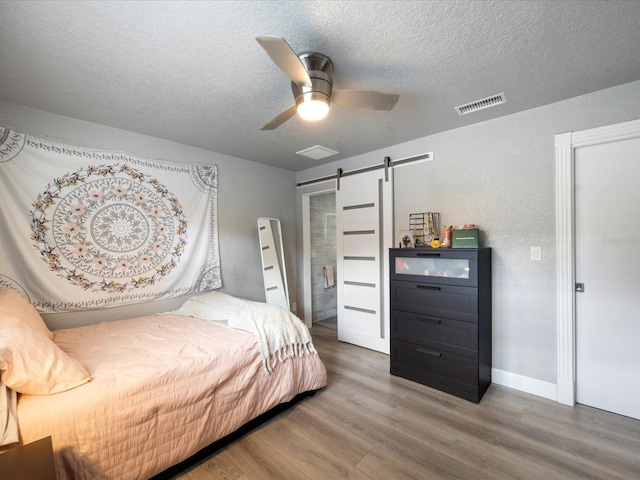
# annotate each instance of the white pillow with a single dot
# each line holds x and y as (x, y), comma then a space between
(12, 304)
(31, 363)
(214, 306)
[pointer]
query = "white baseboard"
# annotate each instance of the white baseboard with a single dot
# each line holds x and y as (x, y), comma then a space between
(524, 384)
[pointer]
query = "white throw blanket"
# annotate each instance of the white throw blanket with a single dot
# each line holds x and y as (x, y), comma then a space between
(280, 333)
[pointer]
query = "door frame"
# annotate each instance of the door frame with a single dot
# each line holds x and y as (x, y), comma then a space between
(565, 145)
(306, 249)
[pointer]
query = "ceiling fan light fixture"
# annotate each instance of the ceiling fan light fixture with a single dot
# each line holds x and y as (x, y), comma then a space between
(312, 85)
(313, 110)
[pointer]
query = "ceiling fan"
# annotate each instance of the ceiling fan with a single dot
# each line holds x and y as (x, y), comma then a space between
(312, 85)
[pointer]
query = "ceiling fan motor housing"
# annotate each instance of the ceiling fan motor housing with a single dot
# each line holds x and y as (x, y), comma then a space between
(320, 68)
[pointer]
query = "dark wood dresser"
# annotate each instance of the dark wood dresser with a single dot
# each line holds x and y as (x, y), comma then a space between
(441, 318)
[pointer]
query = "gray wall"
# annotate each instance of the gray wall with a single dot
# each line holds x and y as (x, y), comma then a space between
(247, 190)
(500, 175)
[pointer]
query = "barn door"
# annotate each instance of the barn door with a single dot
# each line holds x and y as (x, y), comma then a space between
(364, 230)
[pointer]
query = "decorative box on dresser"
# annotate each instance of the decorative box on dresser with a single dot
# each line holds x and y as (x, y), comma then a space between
(441, 318)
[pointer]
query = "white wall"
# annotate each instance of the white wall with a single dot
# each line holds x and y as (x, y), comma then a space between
(500, 174)
(247, 190)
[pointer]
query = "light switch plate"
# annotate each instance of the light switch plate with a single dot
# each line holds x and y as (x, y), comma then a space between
(535, 253)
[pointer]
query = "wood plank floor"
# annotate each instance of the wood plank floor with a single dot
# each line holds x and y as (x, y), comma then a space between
(370, 425)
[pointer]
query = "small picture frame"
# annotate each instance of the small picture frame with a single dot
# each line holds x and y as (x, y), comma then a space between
(405, 239)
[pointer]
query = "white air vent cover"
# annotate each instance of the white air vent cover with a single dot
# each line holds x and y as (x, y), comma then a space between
(317, 152)
(481, 104)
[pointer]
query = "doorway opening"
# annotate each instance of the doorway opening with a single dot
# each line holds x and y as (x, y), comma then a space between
(319, 218)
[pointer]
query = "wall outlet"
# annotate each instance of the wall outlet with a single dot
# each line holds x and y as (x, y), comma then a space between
(294, 307)
(536, 253)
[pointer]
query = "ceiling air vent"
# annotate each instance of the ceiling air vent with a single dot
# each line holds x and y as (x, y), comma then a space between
(481, 104)
(317, 152)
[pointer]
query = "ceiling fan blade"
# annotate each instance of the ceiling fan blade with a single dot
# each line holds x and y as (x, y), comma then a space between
(281, 118)
(286, 59)
(364, 99)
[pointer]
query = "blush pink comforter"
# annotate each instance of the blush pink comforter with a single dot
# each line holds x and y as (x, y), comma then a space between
(163, 387)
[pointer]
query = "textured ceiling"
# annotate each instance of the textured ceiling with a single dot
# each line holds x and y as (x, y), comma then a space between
(193, 73)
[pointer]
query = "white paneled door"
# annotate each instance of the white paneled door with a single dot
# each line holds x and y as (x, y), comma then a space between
(364, 230)
(607, 223)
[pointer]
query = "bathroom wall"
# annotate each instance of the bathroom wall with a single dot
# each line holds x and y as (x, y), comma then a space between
(323, 252)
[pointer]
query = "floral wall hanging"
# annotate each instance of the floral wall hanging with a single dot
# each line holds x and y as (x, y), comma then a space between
(86, 228)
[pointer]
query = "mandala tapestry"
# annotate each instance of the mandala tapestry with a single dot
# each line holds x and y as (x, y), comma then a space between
(85, 229)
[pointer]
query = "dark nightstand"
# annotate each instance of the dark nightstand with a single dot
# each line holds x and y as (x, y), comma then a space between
(33, 461)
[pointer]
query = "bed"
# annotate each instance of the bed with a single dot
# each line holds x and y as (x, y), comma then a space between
(138, 396)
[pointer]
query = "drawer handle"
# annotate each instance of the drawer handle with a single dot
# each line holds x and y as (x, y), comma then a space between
(433, 353)
(428, 287)
(429, 320)
(428, 255)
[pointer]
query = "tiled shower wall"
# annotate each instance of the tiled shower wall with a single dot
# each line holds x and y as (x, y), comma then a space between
(323, 252)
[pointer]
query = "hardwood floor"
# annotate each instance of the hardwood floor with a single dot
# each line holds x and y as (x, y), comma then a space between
(368, 424)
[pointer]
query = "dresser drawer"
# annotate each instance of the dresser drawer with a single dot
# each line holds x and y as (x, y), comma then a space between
(435, 365)
(442, 266)
(441, 333)
(447, 301)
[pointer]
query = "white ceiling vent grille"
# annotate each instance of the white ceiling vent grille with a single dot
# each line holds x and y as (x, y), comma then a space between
(481, 104)
(317, 152)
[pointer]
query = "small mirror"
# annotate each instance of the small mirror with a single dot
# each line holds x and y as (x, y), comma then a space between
(274, 272)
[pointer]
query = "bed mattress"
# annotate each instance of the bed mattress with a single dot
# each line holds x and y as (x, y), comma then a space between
(163, 387)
